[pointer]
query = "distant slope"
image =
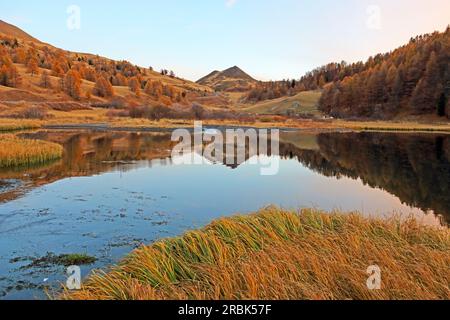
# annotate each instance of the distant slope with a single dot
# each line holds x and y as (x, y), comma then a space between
(207, 78)
(14, 32)
(231, 80)
(302, 103)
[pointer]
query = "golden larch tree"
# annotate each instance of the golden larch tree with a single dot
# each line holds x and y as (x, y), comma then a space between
(72, 84)
(32, 66)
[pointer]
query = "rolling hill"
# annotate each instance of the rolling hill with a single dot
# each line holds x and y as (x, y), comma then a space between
(24, 60)
(14, 32)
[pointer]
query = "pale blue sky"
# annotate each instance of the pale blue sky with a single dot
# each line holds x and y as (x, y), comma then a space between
(268, 39)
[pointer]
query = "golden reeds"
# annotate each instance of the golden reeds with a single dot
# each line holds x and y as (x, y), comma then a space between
(15, 151)
(16, 125)
(277, 254)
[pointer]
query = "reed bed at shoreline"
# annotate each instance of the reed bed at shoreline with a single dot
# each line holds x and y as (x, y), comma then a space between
(17, 152)
(277, 254)
(17, 125)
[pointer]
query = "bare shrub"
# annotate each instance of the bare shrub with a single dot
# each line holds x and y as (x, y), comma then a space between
(159, 112)
(34, 112)
(198, 111)
(118, 113)
(136, 112)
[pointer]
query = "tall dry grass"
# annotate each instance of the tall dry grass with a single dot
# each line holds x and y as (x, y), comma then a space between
(15, 125)
(277, 254)
(15, 151)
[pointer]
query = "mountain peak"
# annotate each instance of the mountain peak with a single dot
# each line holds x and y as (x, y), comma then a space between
(231, 79)
(236, 73)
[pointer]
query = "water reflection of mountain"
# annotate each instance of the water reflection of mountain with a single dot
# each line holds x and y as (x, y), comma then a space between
(413, 167)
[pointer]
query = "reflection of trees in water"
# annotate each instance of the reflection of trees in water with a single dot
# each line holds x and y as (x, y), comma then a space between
(73, 155)
(413, 167)
(90, 153)
(94, 150)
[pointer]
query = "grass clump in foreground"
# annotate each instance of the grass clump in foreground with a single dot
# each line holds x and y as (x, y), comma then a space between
(15, 151)
(278, 254)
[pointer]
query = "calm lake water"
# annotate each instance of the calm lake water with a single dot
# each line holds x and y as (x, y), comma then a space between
(114, 191)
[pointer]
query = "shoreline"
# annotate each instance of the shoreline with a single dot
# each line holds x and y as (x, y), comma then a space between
(345, 127)
(108, 127)
(98, 119)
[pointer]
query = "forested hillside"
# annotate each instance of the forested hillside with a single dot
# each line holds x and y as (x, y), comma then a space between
(412, 80)
(311, 81)
(43, 72)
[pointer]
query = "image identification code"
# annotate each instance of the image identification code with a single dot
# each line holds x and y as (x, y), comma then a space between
(226, 310)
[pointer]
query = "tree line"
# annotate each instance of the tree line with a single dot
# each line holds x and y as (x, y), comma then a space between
(414, 79)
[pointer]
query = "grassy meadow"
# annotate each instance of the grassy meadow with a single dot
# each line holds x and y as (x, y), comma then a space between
(306, 102)
(277, 254)
(16, 152)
